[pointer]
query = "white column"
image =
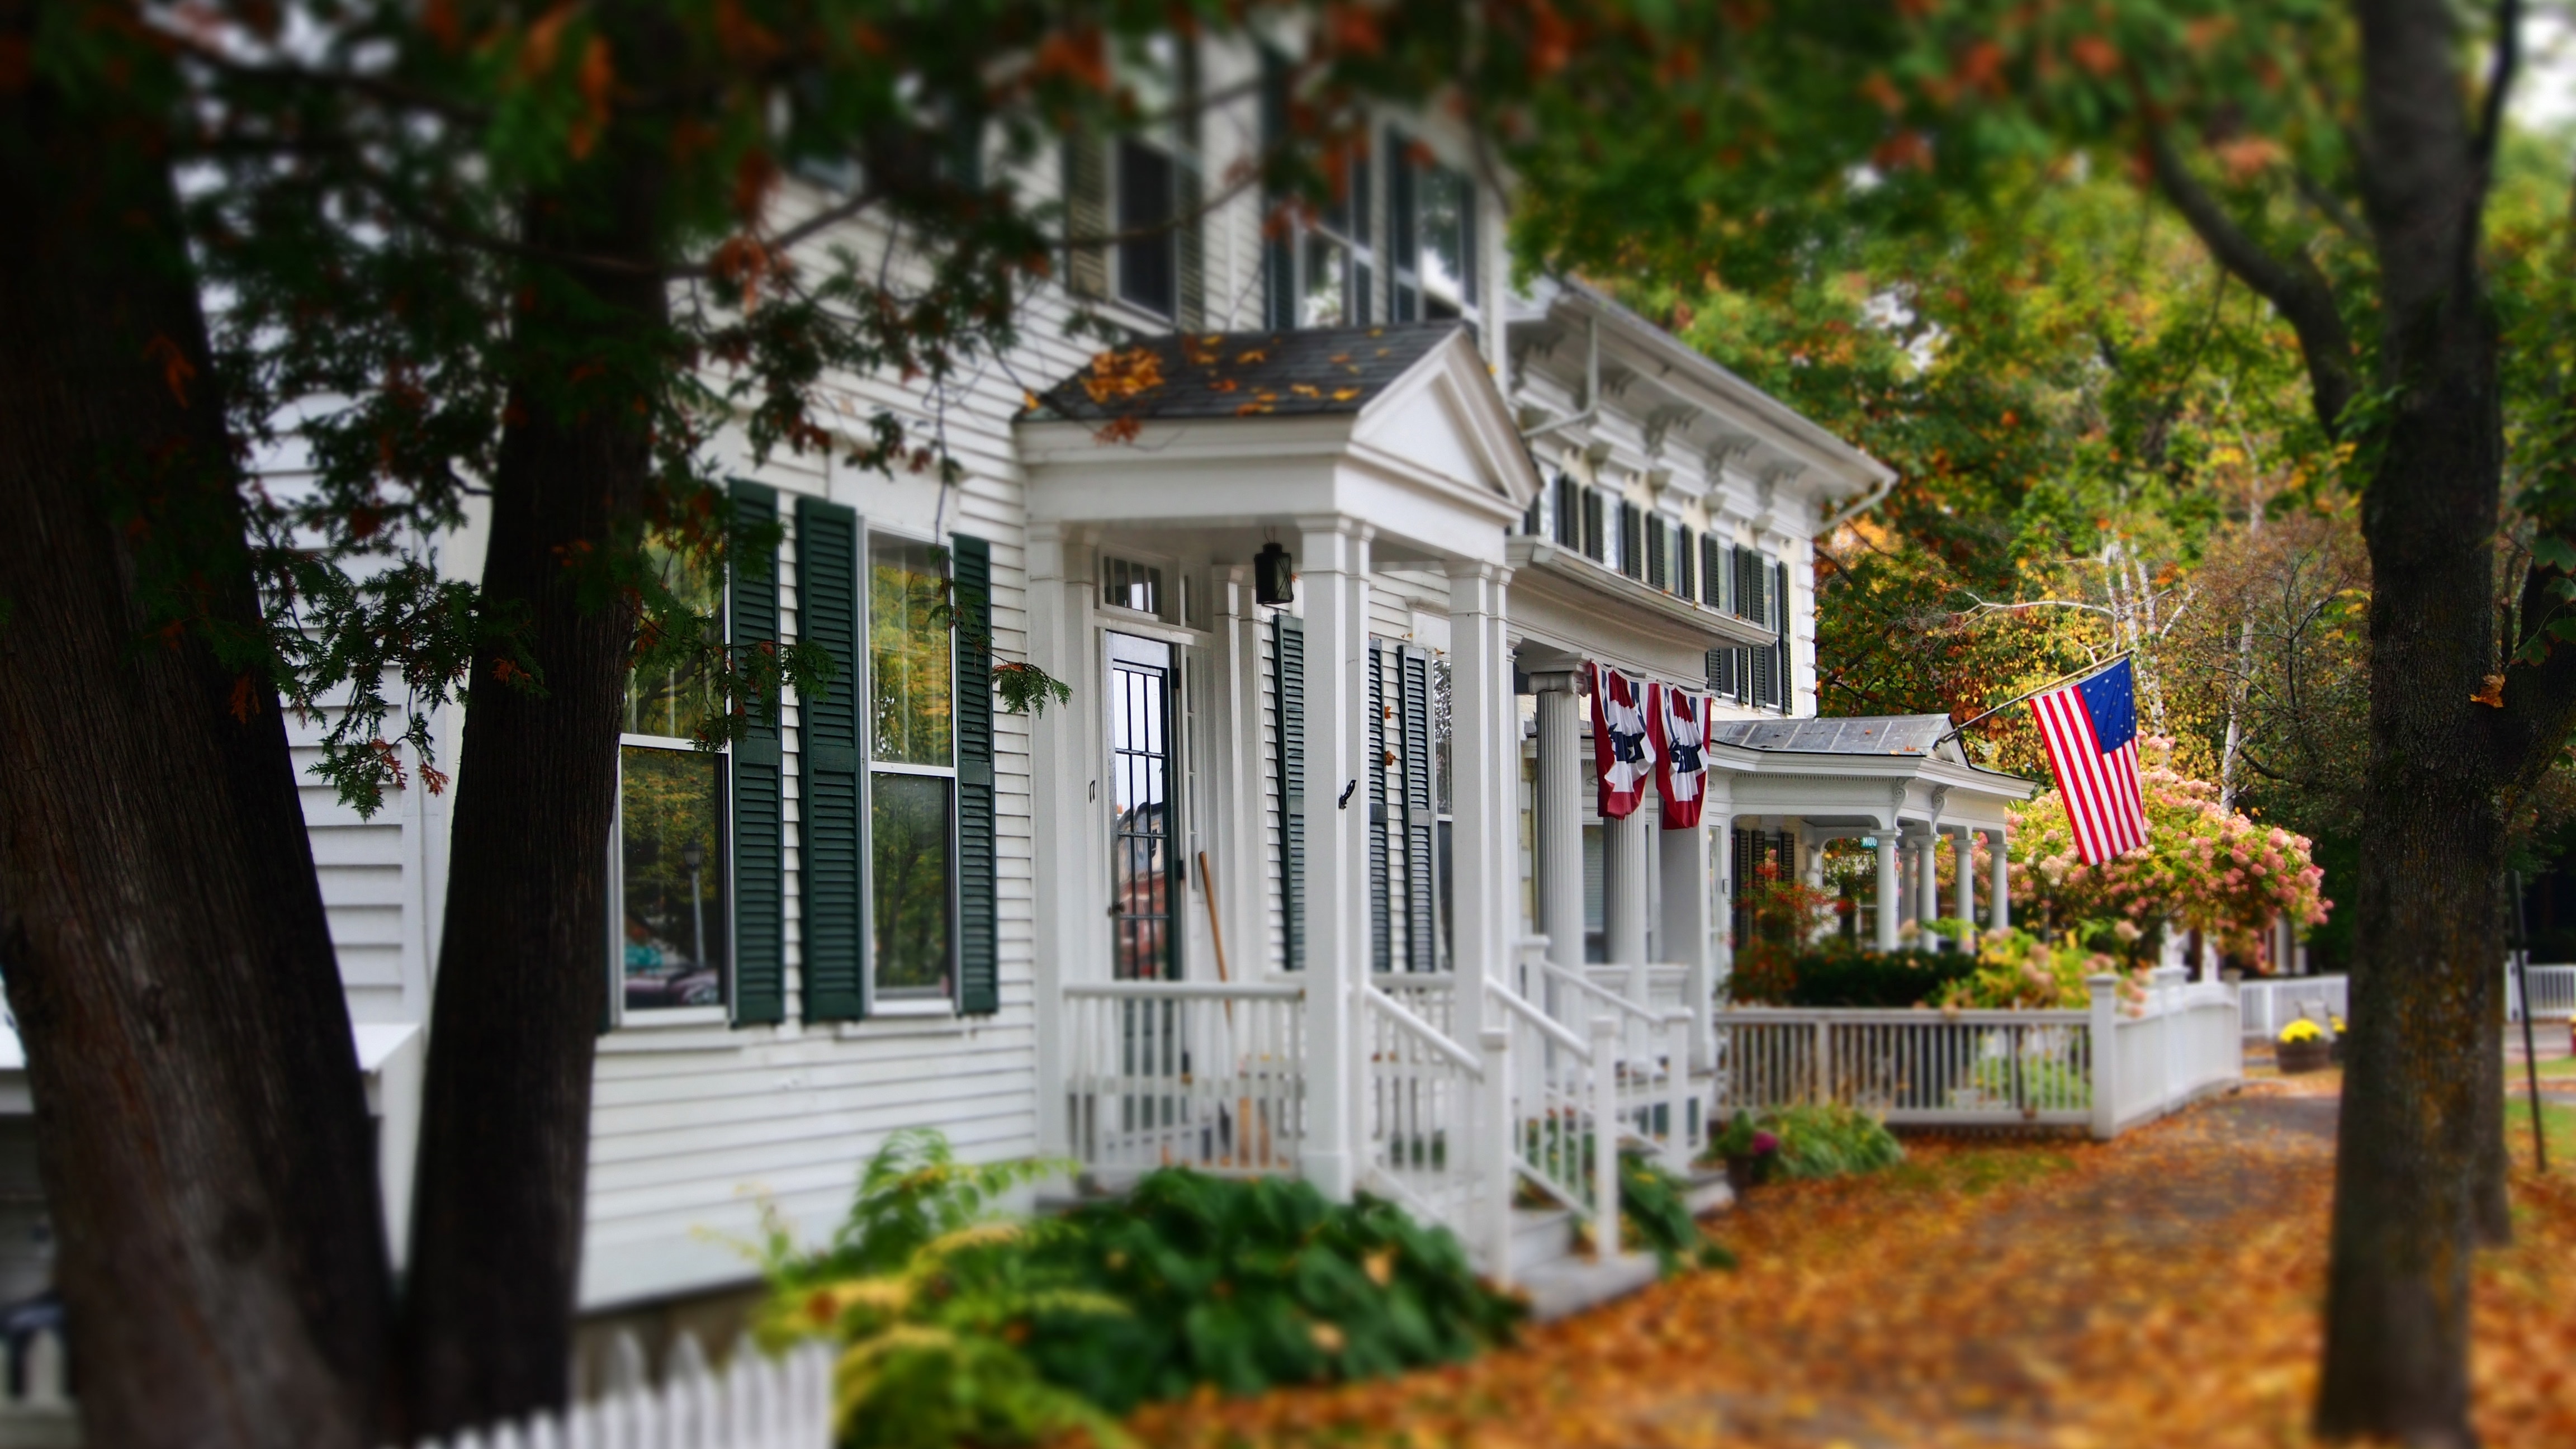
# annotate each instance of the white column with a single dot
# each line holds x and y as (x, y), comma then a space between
(1999, 889)
(1721, 824)
(1335, 560)
(1965, 888)
(1623, 888)
(1688, 916)
(1927, 883)
(1560, 815)
(1484, 769)
(1061, 773)
(1891, 891)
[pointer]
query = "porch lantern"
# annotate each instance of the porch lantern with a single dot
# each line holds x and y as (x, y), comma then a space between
(1274, 580)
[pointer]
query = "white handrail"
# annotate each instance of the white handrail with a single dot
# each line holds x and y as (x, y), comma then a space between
(1610, 998)
(1185, 990)
(1546, 1025)
(1431, 1036)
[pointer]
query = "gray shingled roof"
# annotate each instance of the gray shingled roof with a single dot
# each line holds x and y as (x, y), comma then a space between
(1885, 734)
(1245, 374)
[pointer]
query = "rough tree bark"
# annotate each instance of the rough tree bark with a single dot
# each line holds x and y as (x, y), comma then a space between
(523, 967)
(200, 1121)
(2428, 934)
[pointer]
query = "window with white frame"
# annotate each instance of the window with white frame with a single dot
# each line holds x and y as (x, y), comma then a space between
(912, 773)
(1431, 234)
(671, 897)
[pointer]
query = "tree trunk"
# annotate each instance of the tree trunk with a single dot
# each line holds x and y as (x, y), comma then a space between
(200, 1123)
(523, 968)
(2427, 939)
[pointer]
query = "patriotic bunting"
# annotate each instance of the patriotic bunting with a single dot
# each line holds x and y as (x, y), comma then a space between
(1621, 747)
(1681, 720)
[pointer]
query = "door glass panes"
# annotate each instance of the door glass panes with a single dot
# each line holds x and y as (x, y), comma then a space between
(1143, 853)
(910, 882)
(911, 678)
(670, 805)
(672, 701)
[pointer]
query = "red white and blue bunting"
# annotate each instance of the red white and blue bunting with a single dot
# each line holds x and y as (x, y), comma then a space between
(1682, 719)
(1623, 748)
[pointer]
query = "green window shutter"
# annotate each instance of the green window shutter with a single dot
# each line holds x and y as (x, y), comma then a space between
(759, 812)
(1288, 665)
(1278, 253)
(979, 980)
(827, 593)
(1381, 925)
(1188, 192)
(1086, 213)
(1685, 561)
(1413, 719)
(1780, 621)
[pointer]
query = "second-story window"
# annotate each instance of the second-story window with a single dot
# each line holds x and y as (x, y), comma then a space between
(1149, 247)
(1337, 271)
(1431, 232)
(912, 772)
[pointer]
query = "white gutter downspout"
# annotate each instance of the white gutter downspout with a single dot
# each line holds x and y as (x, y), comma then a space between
(1885, 486)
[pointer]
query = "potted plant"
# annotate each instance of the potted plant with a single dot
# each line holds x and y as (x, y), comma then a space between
(1748, 1151)
(2303, 1046)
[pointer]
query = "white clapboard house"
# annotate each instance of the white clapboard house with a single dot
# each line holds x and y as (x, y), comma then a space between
(1307, 878)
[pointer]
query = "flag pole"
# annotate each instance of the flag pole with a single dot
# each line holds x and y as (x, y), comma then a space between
(2087, 672)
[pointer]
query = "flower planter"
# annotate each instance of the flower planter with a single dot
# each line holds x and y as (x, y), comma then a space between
(2296, 1057)
(1747, 1171)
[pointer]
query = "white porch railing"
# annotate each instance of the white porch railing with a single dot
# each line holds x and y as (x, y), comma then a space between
(1564, 1089)
(1185, 1073)
(2108, 1068)
(2273, 1002)
(1424, 1099)
(1656, 1101)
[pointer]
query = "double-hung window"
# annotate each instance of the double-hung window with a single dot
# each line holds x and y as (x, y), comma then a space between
(1431, 234)
(670, 899)
(912, 774)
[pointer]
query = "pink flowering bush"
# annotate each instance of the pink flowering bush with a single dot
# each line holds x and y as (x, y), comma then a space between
(2202, 869)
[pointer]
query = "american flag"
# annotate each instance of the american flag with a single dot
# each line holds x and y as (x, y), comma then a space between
(2091, 730)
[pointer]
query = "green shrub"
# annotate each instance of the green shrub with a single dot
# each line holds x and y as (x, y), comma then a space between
(1249, 1284)
(1654, 1213)
(1830, 1139)
(1837, 973)
(962, 1329)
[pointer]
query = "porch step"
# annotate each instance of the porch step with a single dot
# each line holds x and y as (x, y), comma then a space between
(1541, 1236)
(1571, 1284)
(1708, 1191)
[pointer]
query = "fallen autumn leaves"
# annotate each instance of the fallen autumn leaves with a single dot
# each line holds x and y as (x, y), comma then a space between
(2161, 1290)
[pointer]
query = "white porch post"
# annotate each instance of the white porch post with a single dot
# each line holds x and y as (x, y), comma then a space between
(1684, 859)
(1059, 782)
(1560, 815)
(1334, 570)
(1484, 767)
(1623, 888)
(1890, 891)
(1721, 823)
(1927, 884)
(1999, 907)
(1965, 888)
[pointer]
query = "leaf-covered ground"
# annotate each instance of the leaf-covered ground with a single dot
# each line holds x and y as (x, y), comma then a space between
(2161, 1290)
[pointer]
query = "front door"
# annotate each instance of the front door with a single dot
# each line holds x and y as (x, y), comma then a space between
(1144, 849)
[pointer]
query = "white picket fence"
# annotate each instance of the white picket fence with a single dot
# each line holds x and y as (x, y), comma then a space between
(2274, 1002)
(2269, 1004)
(2108, 1068)
(2553, 993)
(753, 1402)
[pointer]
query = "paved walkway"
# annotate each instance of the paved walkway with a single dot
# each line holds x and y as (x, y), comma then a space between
(2158, 1291)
